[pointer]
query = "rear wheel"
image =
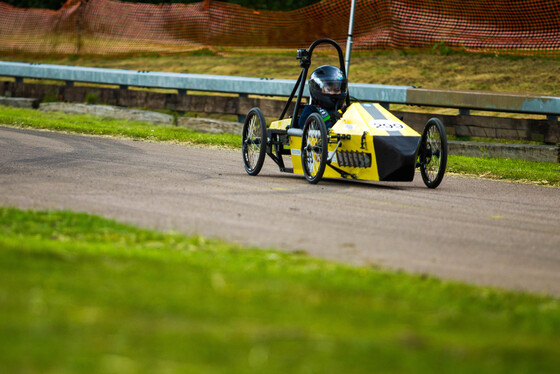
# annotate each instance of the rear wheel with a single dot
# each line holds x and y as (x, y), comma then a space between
(314, 148)
(254, 141)
(432, 155)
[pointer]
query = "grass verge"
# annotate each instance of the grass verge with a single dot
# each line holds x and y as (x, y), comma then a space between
(91, 125)
(542, 173)
(84, 294)
(539, 173)
(428, 69)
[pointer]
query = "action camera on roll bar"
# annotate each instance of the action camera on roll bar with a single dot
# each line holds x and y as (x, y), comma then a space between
(303, 57)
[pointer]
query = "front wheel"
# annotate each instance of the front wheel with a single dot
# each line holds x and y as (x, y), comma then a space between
(254, 141)
(432, 154)
(314, 148)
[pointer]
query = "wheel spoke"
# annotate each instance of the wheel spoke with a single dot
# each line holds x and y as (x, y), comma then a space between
(433, 161)
(313, 148)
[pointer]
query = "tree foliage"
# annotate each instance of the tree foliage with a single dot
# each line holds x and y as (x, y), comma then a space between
(46, 4)
(283, 5)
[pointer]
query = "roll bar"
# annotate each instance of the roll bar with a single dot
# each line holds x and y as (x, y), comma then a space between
(304, 57)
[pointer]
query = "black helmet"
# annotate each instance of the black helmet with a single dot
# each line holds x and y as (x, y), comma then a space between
(327, 87)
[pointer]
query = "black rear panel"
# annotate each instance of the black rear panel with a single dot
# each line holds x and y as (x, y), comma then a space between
(396, 157)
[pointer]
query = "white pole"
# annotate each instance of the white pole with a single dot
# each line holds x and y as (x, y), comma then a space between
(349, 41)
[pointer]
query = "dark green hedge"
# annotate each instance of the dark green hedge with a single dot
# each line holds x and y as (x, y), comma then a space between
(273, 4)
(47, 4)
(253, 4)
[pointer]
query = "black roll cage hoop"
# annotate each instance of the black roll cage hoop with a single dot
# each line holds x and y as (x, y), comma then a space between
(304, 57)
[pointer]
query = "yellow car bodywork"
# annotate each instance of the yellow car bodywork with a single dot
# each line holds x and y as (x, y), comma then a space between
(377, 146)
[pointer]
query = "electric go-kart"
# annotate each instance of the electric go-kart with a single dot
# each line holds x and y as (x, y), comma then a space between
(366, 142)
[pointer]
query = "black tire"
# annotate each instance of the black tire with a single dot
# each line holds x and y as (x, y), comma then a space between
(254, 141)
(314, 148)
(432, 154)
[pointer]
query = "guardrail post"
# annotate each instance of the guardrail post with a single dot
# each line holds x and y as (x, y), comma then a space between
(242, 117)
(180, 113)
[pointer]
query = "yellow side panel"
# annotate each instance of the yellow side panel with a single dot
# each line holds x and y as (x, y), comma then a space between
(280, 125)
(355, 145)
(295, 149)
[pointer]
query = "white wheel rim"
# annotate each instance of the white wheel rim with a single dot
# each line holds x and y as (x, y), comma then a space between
(253, 134)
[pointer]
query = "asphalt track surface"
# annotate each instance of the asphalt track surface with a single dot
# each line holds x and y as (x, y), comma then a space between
(479, 231)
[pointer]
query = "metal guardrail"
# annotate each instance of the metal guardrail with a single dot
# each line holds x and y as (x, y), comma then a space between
(462, 100)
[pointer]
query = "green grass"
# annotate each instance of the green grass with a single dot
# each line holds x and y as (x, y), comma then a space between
(83, 294)
(91, 125)
(544, 173)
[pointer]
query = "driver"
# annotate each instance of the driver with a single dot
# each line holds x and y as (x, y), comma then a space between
(327, 87)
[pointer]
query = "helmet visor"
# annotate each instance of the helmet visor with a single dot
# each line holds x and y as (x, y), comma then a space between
(332, 87)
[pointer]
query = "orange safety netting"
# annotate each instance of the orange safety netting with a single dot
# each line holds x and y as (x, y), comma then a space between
(110, 27)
